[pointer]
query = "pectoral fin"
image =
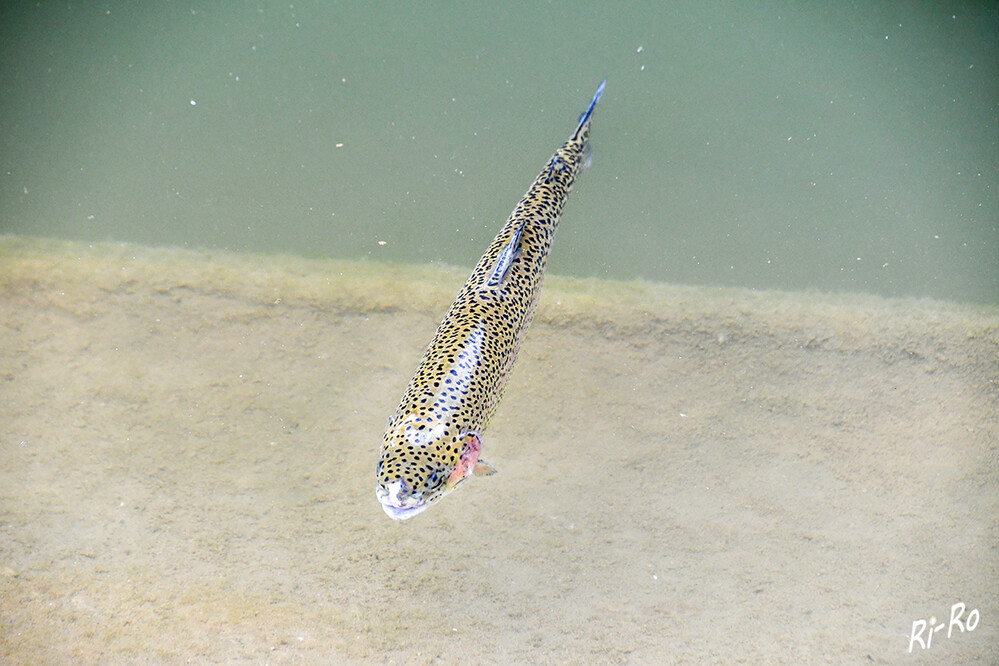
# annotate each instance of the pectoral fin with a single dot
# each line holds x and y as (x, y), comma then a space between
(482, 468)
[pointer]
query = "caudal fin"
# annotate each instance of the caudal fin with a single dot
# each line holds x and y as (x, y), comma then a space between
(583, 129)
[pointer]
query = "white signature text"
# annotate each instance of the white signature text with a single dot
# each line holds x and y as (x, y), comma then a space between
(930, 627)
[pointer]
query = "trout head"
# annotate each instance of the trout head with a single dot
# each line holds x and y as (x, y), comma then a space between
(422, 460)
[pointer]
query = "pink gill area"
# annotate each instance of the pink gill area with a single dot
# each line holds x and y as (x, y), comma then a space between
(469, 457)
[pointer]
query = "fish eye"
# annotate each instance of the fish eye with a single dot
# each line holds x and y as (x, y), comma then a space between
(434, 478)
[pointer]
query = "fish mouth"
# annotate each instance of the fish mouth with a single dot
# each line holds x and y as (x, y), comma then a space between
(399, 505)
(402, 512)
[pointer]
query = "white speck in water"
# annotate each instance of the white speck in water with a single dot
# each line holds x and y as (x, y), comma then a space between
(193, 103)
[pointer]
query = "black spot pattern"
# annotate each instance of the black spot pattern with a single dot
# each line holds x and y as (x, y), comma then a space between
(460, 379)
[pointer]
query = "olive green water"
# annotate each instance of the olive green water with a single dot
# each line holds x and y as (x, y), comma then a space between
(845, 147)
(188, 443)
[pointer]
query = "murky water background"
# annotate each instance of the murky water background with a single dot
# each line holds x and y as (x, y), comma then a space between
(188, 443)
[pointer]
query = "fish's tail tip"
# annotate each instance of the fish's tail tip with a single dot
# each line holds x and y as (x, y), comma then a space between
(596, 95)
(584, 119)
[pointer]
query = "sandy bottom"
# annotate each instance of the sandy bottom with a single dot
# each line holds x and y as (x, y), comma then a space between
(188, 445)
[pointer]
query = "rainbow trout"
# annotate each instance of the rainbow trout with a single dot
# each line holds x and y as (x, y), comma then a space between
(432, 442)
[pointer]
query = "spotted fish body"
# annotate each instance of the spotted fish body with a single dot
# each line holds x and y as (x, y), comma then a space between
(432, 442)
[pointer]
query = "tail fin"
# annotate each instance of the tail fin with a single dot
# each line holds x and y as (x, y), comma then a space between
(583, 129)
